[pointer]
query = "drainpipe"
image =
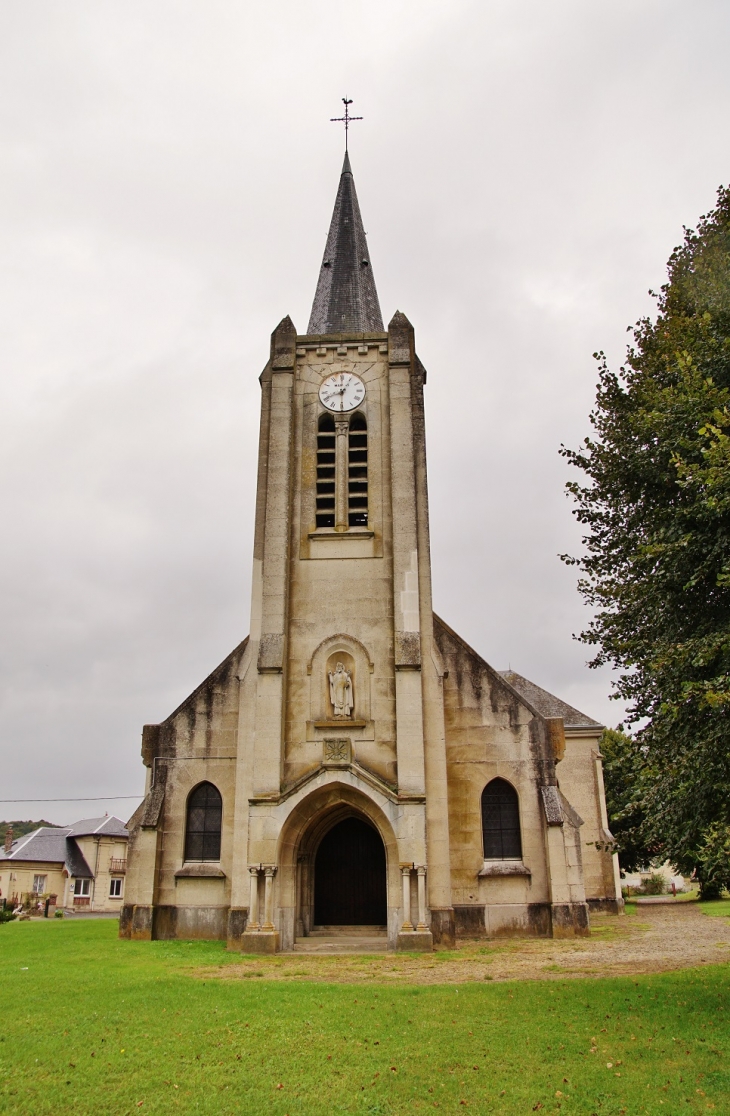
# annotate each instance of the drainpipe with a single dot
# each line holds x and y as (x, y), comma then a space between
(96, 869)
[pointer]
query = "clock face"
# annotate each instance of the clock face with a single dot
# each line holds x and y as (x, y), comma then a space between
(342, 392)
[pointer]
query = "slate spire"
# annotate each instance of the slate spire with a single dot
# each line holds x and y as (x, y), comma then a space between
(346, 300)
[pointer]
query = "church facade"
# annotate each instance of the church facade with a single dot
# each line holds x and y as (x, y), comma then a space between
(353, 762)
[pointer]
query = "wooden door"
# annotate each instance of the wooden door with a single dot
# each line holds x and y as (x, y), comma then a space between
(349, 876)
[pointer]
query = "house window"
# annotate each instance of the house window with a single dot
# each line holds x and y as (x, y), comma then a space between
(82, 887)
(325, 514)
(501, 821)
(39, 885)
(357, 472)
(203, 829)
(115, 889)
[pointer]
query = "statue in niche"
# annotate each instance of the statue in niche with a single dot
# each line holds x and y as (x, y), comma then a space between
(341, 691)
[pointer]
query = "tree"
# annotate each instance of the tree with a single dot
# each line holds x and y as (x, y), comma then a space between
(714, 860)
(624, 774)
(655, 504)
(20, 828)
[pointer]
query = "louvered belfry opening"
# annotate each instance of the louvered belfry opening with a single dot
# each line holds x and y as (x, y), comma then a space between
(325, 515)
(501, 821)
(203, 829)
(357, 472)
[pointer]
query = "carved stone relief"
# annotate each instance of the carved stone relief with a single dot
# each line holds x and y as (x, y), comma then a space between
(337, 753)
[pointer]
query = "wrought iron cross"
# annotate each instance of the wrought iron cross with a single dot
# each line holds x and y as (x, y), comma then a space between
(346, 119)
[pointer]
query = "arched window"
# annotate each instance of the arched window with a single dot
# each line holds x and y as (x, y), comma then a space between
(203, 828)
(357, 472)
(501, 821)
(326, 471)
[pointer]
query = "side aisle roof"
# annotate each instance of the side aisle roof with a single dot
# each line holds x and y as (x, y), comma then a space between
(530, 694)
(548, 704)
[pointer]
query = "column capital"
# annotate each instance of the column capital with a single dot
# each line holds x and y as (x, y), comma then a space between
(406, 869)
(421, 869)
(254, 869)
(270, 869)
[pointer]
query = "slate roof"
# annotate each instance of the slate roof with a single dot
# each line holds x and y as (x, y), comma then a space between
(58, 846)
(108, 826)
(546, 703)
(42, 844)
(346, 300)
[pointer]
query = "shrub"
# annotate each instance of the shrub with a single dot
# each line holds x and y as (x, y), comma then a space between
(655, 884)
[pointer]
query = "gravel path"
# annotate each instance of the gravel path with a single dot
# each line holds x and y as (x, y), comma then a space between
(655, 939)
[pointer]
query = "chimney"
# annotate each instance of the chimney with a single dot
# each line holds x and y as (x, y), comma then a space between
(8, 840)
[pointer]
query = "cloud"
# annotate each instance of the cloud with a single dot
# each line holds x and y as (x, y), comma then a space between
(168, 173)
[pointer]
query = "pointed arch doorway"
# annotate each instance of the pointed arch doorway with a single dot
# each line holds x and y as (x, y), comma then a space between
(350, 887)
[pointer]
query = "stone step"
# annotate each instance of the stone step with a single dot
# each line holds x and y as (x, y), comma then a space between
(348, 932)
(342, 943)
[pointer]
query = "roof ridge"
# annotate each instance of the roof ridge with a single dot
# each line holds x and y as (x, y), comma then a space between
(24, 841)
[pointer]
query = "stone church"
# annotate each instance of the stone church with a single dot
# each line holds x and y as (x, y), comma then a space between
(353, 765)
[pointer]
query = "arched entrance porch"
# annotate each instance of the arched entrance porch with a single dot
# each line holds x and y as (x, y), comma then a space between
(338, 859)
(341, 872)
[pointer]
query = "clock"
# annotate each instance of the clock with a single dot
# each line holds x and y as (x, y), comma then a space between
(343, 391)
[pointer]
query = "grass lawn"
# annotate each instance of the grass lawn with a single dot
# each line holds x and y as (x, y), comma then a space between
(716, 907)
(94, 1026)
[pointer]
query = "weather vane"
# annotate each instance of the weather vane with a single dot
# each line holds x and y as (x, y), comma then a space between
(346, 119)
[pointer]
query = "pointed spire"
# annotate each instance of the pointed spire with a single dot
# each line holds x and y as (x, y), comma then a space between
(346, 300)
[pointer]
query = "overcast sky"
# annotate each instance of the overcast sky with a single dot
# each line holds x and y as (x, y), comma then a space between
(524, 169)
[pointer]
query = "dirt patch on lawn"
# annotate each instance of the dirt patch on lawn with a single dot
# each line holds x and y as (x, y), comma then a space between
(655, 939)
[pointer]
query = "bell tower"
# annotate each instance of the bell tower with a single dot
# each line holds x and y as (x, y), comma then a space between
(341, 703)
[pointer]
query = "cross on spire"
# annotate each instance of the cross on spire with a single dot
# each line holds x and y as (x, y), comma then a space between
(346, 119)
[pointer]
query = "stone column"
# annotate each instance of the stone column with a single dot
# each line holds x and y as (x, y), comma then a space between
(269, 871)
(421, 870)
(406, 874)
(253, 904)
(298, 894)
(261, 938)
(418, 938)
(342, 432)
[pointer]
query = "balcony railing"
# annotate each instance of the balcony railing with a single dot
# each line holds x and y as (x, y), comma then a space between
(118, 866)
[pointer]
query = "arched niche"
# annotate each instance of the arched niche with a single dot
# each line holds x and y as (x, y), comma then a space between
(347, 650)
